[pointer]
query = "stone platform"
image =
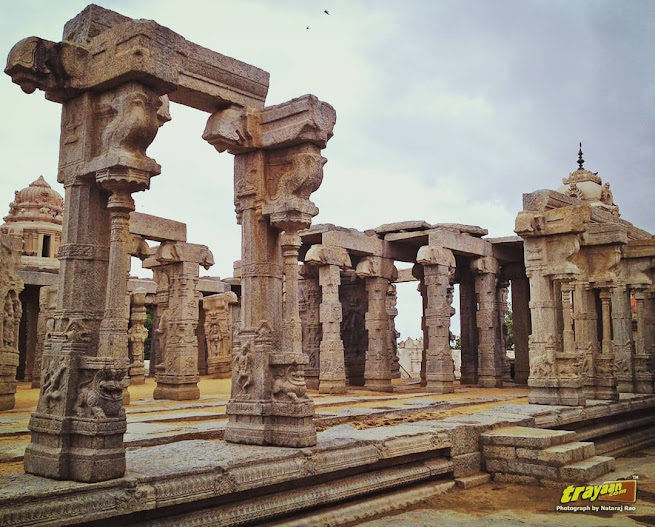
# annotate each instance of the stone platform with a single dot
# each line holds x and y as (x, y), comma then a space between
(180, 471)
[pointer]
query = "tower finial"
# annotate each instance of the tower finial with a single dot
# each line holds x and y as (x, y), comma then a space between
(580, 160)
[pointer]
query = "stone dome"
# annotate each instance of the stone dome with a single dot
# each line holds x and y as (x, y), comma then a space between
(588, 186)
(37, 202)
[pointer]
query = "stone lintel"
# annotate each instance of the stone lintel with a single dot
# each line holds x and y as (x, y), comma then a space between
(605, 234)
(326, 255)
(543, 200)
(108, 49)
(405, 275)
(177, 252)
(639, 249)
(33, 277)
(302, 120)
(150, 286)
(213, 286)
(563, 220)
(459, 243)
(156, 228)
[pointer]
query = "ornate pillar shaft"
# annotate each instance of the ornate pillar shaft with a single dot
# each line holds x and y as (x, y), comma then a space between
(644, 357)
(392, 342)
(291, 327)
(137, 335)
(218, 333)
(309, 305)
(333, 372)
(622, 344)
(438, 270)
(605, 385)
(491, 361)
(568, 334)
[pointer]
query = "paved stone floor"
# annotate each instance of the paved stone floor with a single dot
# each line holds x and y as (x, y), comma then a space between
(155, 422)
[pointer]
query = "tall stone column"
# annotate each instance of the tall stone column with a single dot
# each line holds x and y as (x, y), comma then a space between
(218, 333)
(377, 272)
(310, 318)
(604, 374)
(417, 272)
(491, 362)
(78, 426)
(29, 323)
(45, 326)
(137, 335)
(521, 324)
(622, 344)
(585, 323)
(176, 266)
(278, 166)
(438, 271)
(10, 287)
(330, 261)
(468, 329)
(501, 330)
(644, 358)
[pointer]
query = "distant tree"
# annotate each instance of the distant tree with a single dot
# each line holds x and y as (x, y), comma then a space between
(148, 325)
(509, 338)
(457, 344)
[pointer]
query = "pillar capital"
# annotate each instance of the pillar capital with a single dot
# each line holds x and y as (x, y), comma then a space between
(434, 255)
(326, 255)
(376, 267)
(485, 265)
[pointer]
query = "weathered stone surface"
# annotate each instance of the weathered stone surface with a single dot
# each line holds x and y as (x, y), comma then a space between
(219, 328)
(558, 455)
(156, 228)
(586, 470)
(519, 436)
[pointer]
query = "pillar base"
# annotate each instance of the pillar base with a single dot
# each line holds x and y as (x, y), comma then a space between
(565, 392)
(440, 387)
(521, 377)
(643, 383)
(137, 379)
(378, 385)
(176, 392)
(220, 370)
(490, 382)
(288, 424)
(332, 386)
(79, 449)
(7, 401)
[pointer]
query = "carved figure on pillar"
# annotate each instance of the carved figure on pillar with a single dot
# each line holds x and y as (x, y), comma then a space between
(45, 326)
(218, 333)
(137, 335)
(10, 287)
(278, 165)
(309, 303)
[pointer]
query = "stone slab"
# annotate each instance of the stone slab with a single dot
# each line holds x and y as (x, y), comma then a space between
(527, 437)
(587, 469)
(558, 455)
(156, 228)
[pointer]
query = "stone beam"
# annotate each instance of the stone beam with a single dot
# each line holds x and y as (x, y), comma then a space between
(460, 243)
(102, 49)
(156, 228)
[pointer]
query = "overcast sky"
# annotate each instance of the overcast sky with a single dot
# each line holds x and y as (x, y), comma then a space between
(447, 111)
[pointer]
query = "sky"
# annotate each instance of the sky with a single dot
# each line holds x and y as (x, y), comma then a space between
(447, 111)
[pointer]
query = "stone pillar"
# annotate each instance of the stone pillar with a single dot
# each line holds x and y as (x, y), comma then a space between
(176, 269)
(218, 333)
(354, 303)
(469, 329)
(137, 335)
(332, 363)
(45, 326)
(278, 166)
(309, 305)
(29, 299)
(585, 324)
(644, 358)
(491, 362)
(622, 344)
(418, 273)
(10, 287)
(392, 344)
(438, 271)
(377, 272)
(522, 329)
(604, 374)
(501, 331)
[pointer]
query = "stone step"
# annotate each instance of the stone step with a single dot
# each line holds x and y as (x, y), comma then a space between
(474, 480)
(521, 436)
(587, 469)
(558, 455)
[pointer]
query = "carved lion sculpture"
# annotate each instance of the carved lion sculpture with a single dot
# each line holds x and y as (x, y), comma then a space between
(102, 395)
(290, 385)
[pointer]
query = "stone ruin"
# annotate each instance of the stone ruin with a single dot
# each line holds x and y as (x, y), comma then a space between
(581, 277)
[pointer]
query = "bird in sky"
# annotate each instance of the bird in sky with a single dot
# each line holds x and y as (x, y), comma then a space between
(326, 12)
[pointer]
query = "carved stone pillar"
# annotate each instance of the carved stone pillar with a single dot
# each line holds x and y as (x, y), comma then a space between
(309, 305)
(392, 344)
(585, 323)
(501, 330)
(438, 271)
(521, 324)
(10, 287)
(137, 335)
(622, 344)
(218, 333)
(176, 266)
(491, 360)
(354, 303)
(377, 272)
(29, 299)
(45, 326)
(332, 363)
(604, 374)
(644, 343)
(277, 167)
(417, 272)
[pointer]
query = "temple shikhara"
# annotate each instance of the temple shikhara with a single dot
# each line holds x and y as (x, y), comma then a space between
(304, 328)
